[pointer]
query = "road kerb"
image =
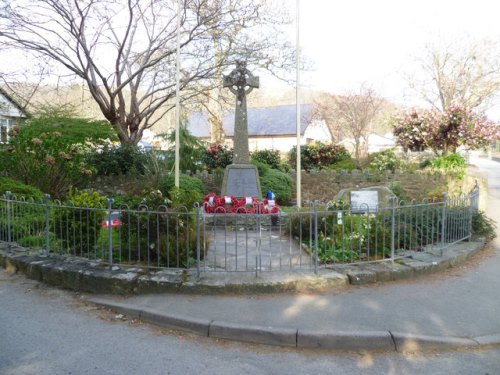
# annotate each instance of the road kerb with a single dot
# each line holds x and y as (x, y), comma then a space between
(488, 339)
(253, 333)
(407, 342)
(360, 340)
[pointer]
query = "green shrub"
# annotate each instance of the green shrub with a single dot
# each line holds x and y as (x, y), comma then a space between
(190, 190)
(158, 238)
(120, 160)
(271, 158)
(77, 223)
(154, 235)
(318, 155)
(26, 220)
(262, 168)
(453, 164)
(345, 238)
(36, 242)
(344, 164)
(50, 152)
(280, 183)
(386, 160)
(482, 225)
(398, 191)
(19, 189)
(216, 156)
(192, 151)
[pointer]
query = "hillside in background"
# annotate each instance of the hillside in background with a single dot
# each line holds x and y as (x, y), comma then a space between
(75, 100)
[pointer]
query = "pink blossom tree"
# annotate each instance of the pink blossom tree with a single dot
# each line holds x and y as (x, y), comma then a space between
(444, 132)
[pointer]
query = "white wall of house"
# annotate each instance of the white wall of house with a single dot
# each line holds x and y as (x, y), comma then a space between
(376, 142)
(9, 117)
(281, 144)
(7, 109)
(318, 131)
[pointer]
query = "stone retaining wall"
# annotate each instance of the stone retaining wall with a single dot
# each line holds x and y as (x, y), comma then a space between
(324, 185)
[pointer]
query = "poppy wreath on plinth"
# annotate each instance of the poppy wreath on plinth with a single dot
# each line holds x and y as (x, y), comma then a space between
(210, 202)
(247, 205)
(269, 206)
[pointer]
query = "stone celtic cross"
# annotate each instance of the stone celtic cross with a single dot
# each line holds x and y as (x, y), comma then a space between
(241, 82)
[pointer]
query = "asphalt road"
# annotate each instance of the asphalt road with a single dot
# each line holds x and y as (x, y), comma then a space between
(45, 331)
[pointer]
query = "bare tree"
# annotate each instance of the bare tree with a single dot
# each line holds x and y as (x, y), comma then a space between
(124, 51)
(466, 72)
(350, 115)
(246, 41)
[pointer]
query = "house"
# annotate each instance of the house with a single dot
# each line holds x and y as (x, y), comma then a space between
(376, 142)
(268, 127)
(11, 114)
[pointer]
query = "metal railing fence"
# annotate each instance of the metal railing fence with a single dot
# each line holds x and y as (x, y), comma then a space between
(305, 239)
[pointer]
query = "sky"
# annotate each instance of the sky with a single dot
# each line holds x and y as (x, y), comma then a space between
(377, 41)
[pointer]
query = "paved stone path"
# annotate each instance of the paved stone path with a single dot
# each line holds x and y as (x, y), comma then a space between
(247, 246)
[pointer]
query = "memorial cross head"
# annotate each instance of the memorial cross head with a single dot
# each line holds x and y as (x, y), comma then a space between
(240, 81)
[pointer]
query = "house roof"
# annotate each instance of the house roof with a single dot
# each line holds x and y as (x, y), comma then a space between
(14, 102)
(262, 121)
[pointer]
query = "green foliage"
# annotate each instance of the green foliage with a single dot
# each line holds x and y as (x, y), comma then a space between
(72, 130)
(191, 151)
(26, 220)
(190, 190)
(50, 152)
(157, 167)
(154, 235)
(386, 160)
(19, 189)
(117, 160)
(337, 205)
(318, 155)
(346, 164)
(449, 162)
(186, 198)
(217, 156)
(270, 157)
(344, 237)
(335, 250)
(77, 223)
(453, 164)
(36, 242)
(150, 198)
(279, 182)
(262, 168)
(482, 225)
(398, 191)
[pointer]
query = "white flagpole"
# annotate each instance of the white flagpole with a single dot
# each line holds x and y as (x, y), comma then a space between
(177, 89)
(297, 103)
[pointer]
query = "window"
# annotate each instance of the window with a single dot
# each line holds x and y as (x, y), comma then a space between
(5, 126)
